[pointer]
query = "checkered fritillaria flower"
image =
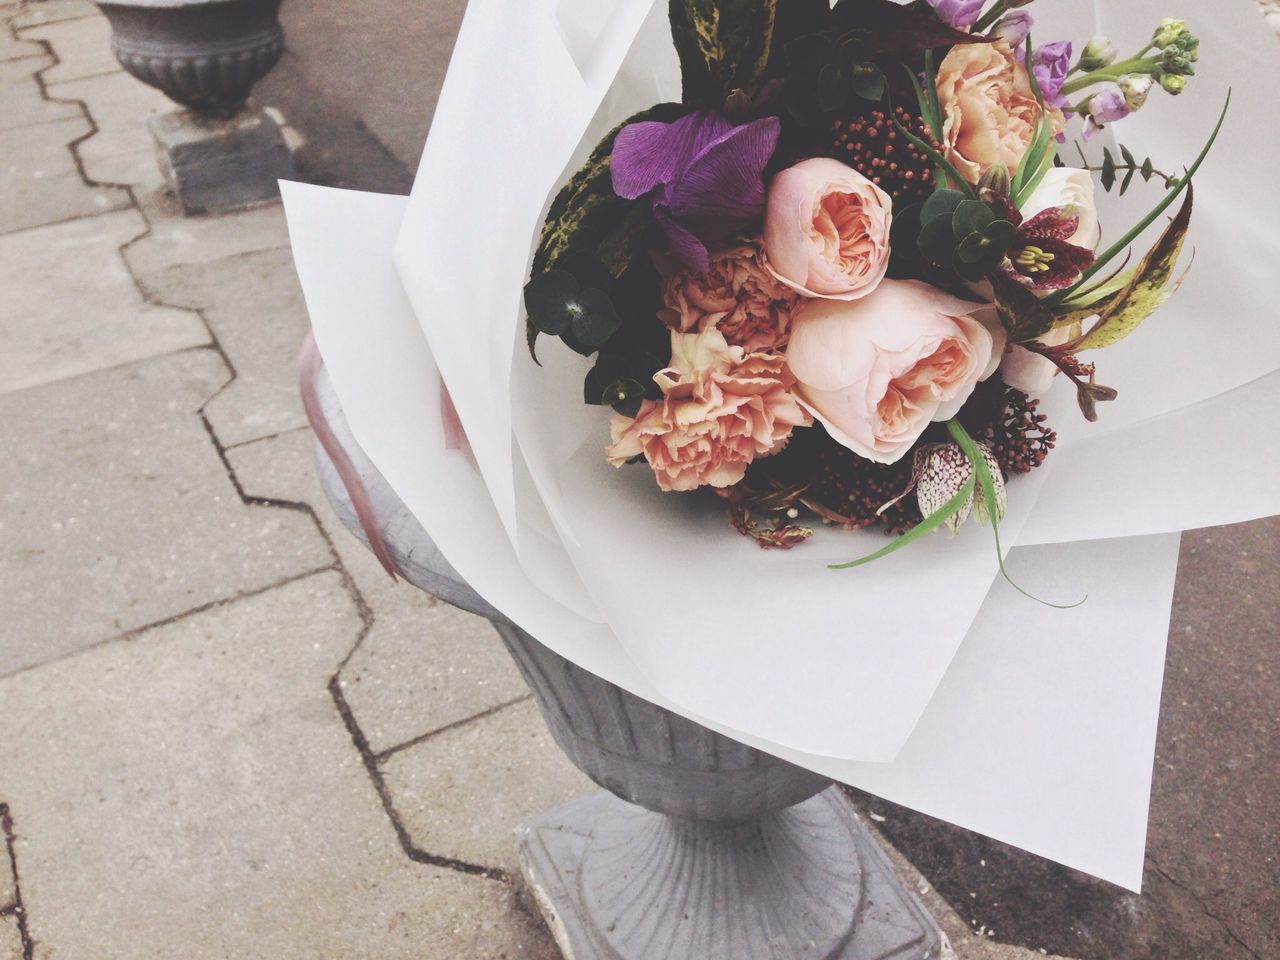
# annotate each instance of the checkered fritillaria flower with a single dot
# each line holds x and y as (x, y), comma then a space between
(941, 470)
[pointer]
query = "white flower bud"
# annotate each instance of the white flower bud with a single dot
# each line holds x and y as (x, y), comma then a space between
(1098, 53)
(1135, 88)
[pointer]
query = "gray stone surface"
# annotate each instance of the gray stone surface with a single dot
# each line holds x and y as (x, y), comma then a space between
(193, 793)
(82, 46)
(33, 12)
(39, 181)
(71, 306)
(254, 306)
(423, 665)
(176, 241)
(339, 57)
(216, 166)
(121, 150)
(10, 939)
(808, 883)
(463, 792)
(118, 511)
(23, 104)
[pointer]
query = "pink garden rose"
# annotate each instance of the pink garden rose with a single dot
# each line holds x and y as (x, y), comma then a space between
(826, 230)
(737, 295)
(721, 408)
(988, 110)
(878, 371)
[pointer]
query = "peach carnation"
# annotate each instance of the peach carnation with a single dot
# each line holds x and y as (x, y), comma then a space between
(721, 408)
(989, 112)
(737, 295)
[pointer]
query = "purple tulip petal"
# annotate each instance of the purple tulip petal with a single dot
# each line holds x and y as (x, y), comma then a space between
(649, 153)
(726, 180)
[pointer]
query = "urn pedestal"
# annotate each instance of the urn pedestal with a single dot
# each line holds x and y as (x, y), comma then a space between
(701, 848)
(219, 152)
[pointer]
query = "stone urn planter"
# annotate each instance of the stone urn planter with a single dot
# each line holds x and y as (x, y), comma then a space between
(700, 848)
(218, 152)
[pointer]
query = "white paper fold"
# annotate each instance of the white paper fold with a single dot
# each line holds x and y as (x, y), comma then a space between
(848, 673)
(1019, 741)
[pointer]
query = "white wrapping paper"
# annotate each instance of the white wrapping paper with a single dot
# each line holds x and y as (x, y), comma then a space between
(849, 673)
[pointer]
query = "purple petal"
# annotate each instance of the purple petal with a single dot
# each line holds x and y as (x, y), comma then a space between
(685, 245)
(726, 180)
(1051, 64)
(650, 153)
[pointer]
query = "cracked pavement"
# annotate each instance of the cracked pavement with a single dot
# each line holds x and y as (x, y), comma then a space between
(224, 732)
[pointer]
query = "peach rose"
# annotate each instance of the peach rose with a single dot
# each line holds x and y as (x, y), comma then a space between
(826, 230)
(877, 372)
(737, 295)
(721, 408)
(988, 110)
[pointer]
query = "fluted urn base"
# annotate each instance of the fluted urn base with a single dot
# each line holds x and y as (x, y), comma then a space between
(617, 882)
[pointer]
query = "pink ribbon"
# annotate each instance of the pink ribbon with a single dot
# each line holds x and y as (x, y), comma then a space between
(308, 370)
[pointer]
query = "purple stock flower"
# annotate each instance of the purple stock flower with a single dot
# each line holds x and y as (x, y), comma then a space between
(1106, 107)
(704, 176)
(1014, 27)
(1051, 64)
(961, 14)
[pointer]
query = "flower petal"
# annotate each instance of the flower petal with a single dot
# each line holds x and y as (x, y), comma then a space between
(650, 153)
(726, 178)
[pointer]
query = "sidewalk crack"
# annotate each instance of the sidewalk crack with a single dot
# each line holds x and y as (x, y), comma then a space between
(15, 909)
(1200, 902)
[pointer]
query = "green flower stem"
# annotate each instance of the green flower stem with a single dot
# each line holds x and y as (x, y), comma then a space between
(926, 526)
(991, 16)
(1123, 243)
(980, 469)
(1111, 73)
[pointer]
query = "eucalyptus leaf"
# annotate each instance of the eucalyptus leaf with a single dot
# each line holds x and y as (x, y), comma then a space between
(594, 317)
(970, 216)
(972, 249)
(548, 298)
(941, 203)
(937, 241)
(625, 396)
(1000, 234)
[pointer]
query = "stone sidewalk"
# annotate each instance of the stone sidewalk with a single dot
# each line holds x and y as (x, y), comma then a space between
(223, 731)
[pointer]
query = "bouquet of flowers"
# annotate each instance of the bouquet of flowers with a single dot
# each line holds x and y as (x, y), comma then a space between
(833, 280)
(841, 270)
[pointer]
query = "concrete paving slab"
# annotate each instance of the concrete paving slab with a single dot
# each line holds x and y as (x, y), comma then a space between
(10, 939)
(176, 240)
(122, 151)
(424, 665)
(254, 305)
(14, 48)
(39, 181)
(72, 306)
(119, 513)
(463, 792)
(24, 105)
(82, 46)
(31, 14)
(204, 800)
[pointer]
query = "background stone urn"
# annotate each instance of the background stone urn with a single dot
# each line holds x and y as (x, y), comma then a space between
(219, 152)
(702, 848)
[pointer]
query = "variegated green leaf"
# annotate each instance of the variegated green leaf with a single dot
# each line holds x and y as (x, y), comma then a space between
(1146, 290)
(723, 46)
(588, 197)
